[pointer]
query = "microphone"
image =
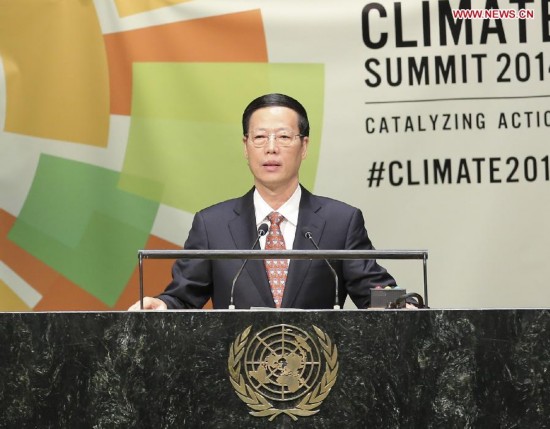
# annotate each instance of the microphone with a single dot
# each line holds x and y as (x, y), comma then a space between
(262, 230)
(309, 236)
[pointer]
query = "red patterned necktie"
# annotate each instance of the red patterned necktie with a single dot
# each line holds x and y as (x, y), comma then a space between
(277, 269)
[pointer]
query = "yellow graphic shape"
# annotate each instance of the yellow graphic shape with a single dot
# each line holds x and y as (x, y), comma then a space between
(56, 70)
(10, 301)
(131, 7)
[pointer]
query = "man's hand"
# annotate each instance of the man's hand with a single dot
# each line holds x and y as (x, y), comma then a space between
(149, 304)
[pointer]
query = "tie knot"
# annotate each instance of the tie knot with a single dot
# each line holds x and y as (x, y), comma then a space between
(275, 218)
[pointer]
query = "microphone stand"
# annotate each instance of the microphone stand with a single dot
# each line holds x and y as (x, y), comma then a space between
(262, 230)
(309, 236)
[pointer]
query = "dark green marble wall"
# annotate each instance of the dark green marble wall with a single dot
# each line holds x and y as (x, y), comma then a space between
(396, 369)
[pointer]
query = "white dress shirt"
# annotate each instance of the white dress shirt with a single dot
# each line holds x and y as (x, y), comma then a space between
(289, 210)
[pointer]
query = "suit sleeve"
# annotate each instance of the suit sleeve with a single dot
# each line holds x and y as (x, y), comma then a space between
(360, 276)
(191, 285)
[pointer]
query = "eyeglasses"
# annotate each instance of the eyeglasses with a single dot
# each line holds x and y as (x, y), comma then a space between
(283, 138)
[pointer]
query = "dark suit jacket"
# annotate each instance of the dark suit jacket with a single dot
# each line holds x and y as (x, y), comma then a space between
(310, 284)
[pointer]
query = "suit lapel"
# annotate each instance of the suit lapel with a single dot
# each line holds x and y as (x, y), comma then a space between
(243, 231)
(308, 220)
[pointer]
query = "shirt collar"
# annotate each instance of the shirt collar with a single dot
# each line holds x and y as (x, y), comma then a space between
(289, 209)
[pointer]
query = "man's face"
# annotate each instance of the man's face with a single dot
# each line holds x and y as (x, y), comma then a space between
(275, 166)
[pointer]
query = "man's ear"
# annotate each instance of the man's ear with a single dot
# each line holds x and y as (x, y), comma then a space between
(305, 144)
(245, 147)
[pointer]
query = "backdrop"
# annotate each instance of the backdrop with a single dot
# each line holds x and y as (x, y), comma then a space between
(120, 119)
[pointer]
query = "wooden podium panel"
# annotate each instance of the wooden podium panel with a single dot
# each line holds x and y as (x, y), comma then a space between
(352, 368)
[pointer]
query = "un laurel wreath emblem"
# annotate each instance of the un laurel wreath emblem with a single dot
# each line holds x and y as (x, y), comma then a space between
(283, 364)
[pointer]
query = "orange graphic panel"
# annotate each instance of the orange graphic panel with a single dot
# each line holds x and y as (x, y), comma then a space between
(237, 37)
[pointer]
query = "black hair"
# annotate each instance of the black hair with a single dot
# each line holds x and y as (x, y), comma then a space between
(279, 100)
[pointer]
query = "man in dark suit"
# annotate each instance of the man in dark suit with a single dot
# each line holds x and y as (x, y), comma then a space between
(276, 138)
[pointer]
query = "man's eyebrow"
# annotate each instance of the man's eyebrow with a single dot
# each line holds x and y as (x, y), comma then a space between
(275, 129)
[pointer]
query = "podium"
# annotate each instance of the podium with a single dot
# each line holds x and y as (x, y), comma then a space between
(378, 368)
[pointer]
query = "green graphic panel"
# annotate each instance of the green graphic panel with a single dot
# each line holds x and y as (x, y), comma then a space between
(185, 146)
(78, 222)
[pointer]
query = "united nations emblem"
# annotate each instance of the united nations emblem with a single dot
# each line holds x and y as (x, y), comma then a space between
(283, 364)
